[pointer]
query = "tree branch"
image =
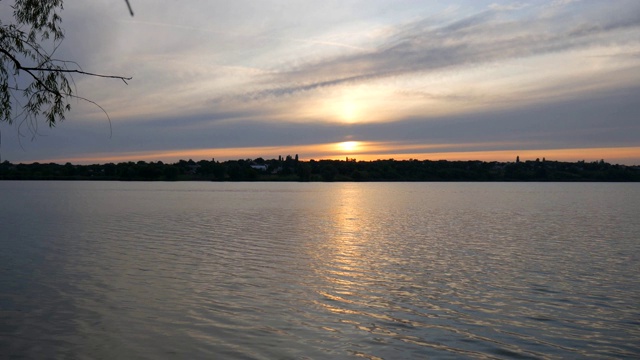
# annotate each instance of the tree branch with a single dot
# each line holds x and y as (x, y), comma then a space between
(129, 6)
(29, 69)
(50, 83)
(123, 78)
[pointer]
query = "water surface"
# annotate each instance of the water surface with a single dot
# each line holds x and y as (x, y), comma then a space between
(319, 270)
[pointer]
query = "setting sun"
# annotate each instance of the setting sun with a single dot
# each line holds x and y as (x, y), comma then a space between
(349, 146)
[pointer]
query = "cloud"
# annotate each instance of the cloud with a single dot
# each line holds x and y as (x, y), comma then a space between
(486, 37)
(508, 7)
(194, 66)
(606, 121)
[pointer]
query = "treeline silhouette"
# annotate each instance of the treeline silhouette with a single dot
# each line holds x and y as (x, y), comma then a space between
(292, 169)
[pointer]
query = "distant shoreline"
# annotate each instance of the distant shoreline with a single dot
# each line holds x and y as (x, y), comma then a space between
(349, 170)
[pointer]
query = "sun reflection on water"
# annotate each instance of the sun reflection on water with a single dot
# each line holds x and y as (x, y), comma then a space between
(345, 260)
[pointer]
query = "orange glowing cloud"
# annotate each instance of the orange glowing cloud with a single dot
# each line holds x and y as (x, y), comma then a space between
(367, 151)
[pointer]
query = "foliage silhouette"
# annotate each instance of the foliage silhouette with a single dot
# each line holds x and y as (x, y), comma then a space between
(325, 170)
(33, 83)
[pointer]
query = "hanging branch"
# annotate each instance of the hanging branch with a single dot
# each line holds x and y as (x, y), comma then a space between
(22, 51)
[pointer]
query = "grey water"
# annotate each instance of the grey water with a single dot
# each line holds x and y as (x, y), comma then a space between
(115, 270)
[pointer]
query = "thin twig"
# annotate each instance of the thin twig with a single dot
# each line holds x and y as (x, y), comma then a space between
(129, 6)
(100, 107)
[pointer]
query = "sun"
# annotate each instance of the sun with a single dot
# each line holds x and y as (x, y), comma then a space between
(349, 146)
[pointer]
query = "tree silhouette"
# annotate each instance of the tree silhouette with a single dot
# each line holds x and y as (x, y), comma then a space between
(33, 83)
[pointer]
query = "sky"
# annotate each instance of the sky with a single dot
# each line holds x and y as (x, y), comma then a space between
(374, 79)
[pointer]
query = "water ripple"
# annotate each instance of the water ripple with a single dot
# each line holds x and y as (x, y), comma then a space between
(374, 271)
